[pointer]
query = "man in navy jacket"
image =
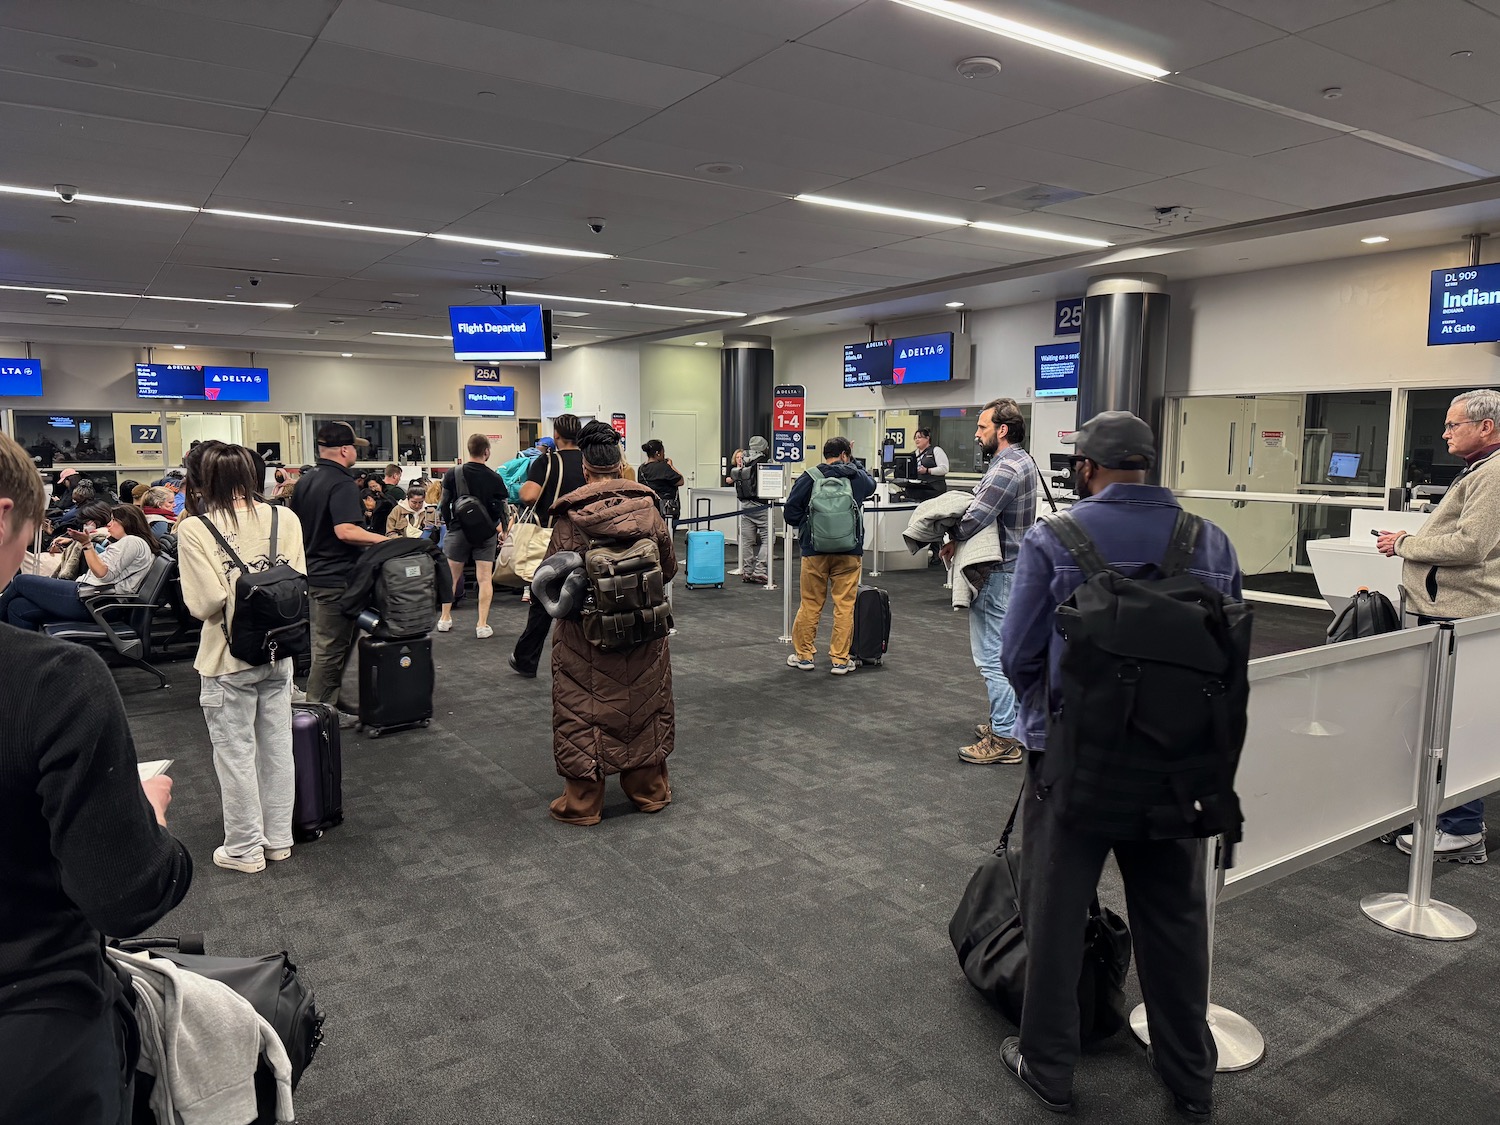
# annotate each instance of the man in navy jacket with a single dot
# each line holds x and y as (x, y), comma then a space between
(1130, 523)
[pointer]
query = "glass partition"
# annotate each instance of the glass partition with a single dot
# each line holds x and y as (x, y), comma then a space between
(1425, 457)
(68, 438)
(375, 429)
(443, 439)
(411, 439)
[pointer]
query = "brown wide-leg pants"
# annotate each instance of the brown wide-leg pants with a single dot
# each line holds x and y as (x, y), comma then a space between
(582, 801)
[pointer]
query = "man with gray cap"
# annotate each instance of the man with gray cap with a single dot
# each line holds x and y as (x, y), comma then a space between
(1131, 525)
(755, 526)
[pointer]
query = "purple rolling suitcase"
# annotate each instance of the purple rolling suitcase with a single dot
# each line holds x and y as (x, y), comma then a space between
(317, 757)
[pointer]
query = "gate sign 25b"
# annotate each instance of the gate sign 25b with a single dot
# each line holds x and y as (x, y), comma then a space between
(1069, 319)
(788, 421)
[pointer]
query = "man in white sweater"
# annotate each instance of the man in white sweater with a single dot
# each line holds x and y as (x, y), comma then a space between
(1451, 569)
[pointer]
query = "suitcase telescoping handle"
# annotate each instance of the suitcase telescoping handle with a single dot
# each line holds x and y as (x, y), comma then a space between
(184, 943)
(699, 504)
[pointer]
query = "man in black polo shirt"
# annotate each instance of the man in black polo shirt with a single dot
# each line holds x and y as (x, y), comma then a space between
(551, 475)
(327, 502)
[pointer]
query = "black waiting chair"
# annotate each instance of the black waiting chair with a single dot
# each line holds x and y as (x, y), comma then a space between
(120, 624)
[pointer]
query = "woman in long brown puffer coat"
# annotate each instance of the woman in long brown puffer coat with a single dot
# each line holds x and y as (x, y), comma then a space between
(612, 712)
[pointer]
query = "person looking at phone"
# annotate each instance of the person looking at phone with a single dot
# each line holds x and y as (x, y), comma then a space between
(87, 853)
(30, 601)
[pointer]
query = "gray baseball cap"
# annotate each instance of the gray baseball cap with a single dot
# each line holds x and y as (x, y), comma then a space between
(1115, 439)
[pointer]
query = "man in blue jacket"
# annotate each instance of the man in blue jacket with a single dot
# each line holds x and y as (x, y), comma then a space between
(824, 568)
(1130, 523)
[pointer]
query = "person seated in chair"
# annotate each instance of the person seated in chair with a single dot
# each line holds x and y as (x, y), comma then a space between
(31, 601)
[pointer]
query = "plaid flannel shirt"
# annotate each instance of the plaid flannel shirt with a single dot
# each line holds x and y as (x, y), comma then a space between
(1007, 494)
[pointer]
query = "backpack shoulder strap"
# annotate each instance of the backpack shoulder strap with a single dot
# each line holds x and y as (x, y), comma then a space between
(816, 472)
(272, 553)
(1183, 543)
(460, 486)
(224, 543)
(1076, 542)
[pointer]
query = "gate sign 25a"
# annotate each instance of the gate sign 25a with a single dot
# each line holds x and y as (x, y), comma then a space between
(1069, 319)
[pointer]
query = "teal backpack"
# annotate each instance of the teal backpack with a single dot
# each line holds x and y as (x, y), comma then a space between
(834, 514)
(513, 473)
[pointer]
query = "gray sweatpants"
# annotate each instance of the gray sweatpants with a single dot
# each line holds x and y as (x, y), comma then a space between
(755, 541)
(249, 716)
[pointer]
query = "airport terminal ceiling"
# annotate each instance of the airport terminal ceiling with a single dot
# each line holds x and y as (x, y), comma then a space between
(329, 176)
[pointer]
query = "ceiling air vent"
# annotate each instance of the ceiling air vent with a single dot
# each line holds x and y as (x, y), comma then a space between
(1036, 197)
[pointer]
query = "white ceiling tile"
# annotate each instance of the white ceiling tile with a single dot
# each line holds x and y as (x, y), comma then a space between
(866, 86)
(785, 19)
(299, 17)
(1294, 72)
(1173, 34)
(891, 267)
(904, 39)
(996, 161)
(776, 175)
(292, 161)
(577, 190)
(88, 99)
(1295, 15)
(1233, 206)
(1108, 143)
(216, 241)
(1416, 39)
(1471, 135)
(1190, 116)
(389, 29)
(1329, 173)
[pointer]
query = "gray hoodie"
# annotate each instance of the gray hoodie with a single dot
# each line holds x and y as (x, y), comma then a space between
(743, 476)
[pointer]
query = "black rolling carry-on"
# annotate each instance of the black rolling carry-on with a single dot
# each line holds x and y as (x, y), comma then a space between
(872, 625)
(395, 684)
(318, 764)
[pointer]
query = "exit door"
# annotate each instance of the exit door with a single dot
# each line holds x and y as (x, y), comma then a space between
(678, 433)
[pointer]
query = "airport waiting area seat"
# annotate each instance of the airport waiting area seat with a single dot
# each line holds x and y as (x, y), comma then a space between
(122, 625)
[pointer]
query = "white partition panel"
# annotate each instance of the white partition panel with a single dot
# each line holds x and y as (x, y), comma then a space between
(1332, 752)
(1473, 768)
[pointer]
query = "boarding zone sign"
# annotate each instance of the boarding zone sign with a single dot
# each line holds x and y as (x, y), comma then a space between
(788, 423)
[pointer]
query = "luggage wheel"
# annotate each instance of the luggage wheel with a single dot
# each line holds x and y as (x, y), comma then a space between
(373, 732)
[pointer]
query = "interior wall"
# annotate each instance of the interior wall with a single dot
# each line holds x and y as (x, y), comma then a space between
(1353, 323)
(683, 379)
(602, 378)
(80, 377)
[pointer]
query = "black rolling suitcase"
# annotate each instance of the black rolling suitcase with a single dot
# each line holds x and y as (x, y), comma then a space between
(318, 765)
(395, 684)
(872, 625)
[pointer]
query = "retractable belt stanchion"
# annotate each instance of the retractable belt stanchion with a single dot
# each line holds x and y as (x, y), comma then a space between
(769, 546)
(786, 585)
(875, 557)
(36, 550)
(1239, 1044)
(1416, 912)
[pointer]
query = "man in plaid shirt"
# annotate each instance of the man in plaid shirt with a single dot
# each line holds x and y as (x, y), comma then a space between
(1007, 496)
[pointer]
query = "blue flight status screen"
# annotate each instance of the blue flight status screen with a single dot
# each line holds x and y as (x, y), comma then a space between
(1464, 307)
(922, 359)
(489, 399)
(499, 332)
(168, 380)
(868, 364)
(20, 378)
(1057, 369)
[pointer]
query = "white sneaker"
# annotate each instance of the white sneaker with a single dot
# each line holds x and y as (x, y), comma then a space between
(1455, 849)
(276, 855)
(445, 626)
(234, 863)
(484, 631)
(526, 595)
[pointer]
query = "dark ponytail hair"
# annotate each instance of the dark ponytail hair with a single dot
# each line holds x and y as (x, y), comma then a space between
(600, 445)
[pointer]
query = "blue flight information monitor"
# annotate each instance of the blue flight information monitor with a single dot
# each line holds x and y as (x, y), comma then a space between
(494, 333)
(489, 399)
(1464, 307)
(895, 363)
(202, 384)
(1057, 369)
(20, 378)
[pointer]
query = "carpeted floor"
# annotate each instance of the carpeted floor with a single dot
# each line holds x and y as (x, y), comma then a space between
(771, 949)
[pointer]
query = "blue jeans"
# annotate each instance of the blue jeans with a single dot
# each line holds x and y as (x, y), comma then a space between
(986, 618)
(1465, 820)
(31, 601)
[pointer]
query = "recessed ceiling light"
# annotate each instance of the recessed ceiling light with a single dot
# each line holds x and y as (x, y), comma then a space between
(1374, 239)
(980, 187)
(700, 343)
(1036, 37)
(335, 321)
(63, 219)
(179, 347)
(1333, 92)
(489, 261)
(347, 202)
(487, 94)
(347, 355)
(954, 305)
(412, 335)
(877, 209)
(145, 297)
(719, 168)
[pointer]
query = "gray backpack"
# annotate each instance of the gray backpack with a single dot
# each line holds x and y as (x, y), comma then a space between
(405, 597)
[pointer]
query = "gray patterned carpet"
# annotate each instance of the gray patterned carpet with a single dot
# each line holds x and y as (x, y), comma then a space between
(772, 948)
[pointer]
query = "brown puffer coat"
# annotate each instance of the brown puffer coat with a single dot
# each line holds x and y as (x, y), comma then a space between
(611, 711)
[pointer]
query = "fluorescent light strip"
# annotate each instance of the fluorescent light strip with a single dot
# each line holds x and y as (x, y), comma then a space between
(260, 217)
(119, 202)
(412, 335)
(876, 209)
(1052, 236)
(948, 220)
(623, 304)
(45, 193)
(523, 247)
(1035, 36)
(144, 297)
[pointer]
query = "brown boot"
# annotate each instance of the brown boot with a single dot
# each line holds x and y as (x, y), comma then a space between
(993, 749)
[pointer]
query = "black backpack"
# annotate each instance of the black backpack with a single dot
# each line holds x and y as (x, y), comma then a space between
(1368, 614)
(271, 607)
(469, 513)
(1155, 690)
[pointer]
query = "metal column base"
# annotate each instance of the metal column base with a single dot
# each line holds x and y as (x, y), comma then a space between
(1240, 1045)
(1437, 921)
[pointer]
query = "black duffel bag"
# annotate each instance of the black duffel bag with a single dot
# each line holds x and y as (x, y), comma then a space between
(270, 983)
(990, 940)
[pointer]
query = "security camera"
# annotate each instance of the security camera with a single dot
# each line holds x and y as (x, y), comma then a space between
(557, 335)
(596, 224)
(66, 192)
(255, 281)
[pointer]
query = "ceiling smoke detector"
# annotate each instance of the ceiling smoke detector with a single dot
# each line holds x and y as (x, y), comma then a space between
(719, 168)
(391, 305)
(977, 66)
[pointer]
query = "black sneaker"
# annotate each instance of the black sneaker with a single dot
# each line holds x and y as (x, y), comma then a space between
(518, 670)
(1015, 1066)
(1188, 1108)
